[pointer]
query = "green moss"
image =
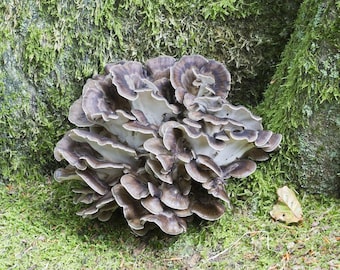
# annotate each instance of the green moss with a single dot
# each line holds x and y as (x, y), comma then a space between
(39, 52)
(304, 73)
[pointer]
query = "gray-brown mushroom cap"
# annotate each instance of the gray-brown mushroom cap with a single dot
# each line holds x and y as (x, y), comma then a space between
(155, 167)
(198, 76)
(110, 149)
(209, 210)
(86, 197)
(245, 134)
(173, 197)
(74, 152)
(216, 187)
(273, 143)
(263, 137)
(68, 173)
(239, 168)
(101, 207)
(240, 115)
(153, 205)
(136, 188)
(159, 67)
(127, 77)
(197, 174)
(168, 222)
(92, 180)
(132, 209)
(77, 115)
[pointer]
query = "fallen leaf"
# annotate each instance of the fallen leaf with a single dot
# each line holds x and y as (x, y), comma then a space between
(288, 208)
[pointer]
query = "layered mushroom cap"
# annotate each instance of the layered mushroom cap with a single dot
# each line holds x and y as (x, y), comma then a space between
(159, 141)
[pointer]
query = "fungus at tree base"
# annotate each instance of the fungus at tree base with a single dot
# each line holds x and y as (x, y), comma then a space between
(159, 141)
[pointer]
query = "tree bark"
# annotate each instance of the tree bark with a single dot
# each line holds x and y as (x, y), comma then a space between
(302, 101)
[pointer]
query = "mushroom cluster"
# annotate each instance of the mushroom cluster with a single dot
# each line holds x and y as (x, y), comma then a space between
(159, 141)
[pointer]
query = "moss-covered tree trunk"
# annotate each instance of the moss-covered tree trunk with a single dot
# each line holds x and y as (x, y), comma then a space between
(303, 101)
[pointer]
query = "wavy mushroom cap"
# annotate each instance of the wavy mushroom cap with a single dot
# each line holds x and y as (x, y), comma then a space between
(159, 68)
(197, 76)
(159, 141)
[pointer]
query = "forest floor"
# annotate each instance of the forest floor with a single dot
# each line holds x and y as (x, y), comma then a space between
(39, 230)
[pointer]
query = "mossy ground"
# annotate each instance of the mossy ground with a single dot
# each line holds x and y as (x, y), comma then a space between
(39, 230)
(49, 48)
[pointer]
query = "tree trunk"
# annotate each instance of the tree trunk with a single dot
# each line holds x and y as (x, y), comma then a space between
(302, 101)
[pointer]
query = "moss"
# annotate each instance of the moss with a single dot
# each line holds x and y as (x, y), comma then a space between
(39, 53)
(306, 79)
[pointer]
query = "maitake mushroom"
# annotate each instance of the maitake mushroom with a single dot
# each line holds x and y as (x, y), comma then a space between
(159, 140)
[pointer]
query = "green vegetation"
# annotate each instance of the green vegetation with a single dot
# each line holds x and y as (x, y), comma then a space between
(50, 47)
(39, 230)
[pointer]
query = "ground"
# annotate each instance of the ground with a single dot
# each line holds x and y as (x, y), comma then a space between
(39, 230)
